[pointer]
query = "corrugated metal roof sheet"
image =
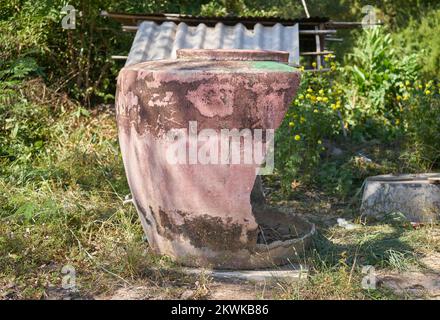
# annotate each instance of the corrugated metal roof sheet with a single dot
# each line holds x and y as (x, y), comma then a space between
(160, 41)
(134, 19)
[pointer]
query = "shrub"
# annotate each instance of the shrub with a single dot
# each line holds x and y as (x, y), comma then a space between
(374, 79)
(77, 61)
(419, 36)
(376, 96)
(422, 124)
(313, 116)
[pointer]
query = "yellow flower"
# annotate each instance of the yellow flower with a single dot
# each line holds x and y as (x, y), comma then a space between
(319, 99)
(314, 65)
(308, 96)
(328, 57)
(333, 106)
(297, 137)
(319, 142)
(309, 90)
(301, 97)
(313, 98)
(321, 92)
(325, 99)
(405, 97)
(291, 124)
(397, 121)
(407, 83)
(302, 120)
(399, 98)
(427, 92)
(315, 111)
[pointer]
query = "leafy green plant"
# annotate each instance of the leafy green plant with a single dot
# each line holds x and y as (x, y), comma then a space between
(377, 95)
(312, 117)
(375, 76)
(419, 37)
(421, 114)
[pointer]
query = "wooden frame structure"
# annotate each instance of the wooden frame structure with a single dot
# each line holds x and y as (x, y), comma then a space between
(314, 33)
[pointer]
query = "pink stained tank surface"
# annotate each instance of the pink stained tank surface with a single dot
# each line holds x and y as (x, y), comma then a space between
(206, 214)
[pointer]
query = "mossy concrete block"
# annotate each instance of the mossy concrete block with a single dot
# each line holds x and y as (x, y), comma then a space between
(417, 197)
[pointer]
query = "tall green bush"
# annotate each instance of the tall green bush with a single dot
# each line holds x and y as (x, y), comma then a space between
(374, 79)
(313, 117)
(376, 95)
(77, 61)
(422, 125)
(421, 35)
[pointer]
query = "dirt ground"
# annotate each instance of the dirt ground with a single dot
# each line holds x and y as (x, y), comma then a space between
(421, 282)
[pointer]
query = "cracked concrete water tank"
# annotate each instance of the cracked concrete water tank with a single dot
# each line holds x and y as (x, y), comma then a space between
(202, 214)
(415, 196)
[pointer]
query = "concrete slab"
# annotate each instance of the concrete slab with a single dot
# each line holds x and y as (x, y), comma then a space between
(417, 197)
(289, 274)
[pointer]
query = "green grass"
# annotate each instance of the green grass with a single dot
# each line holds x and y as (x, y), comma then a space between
(339, 255)
(61, 203)
(62, 186)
